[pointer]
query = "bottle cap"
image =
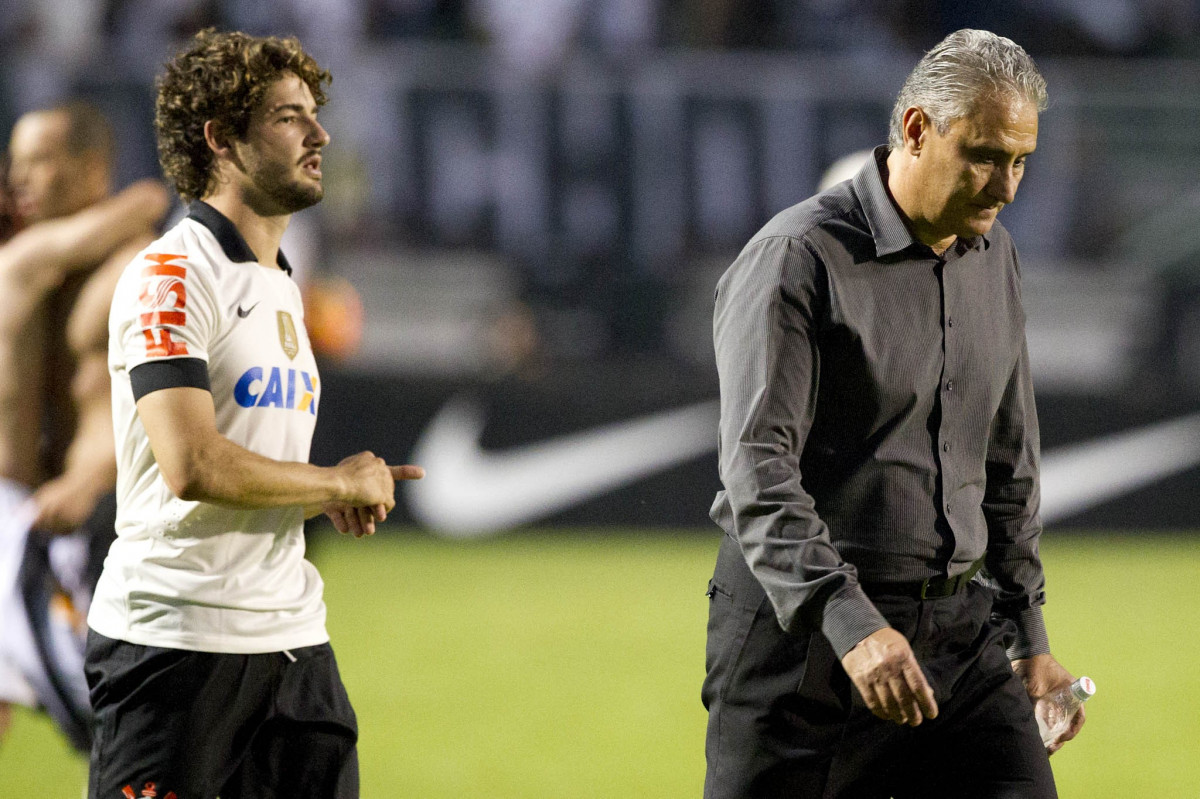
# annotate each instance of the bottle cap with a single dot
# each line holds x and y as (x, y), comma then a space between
(1083, 689)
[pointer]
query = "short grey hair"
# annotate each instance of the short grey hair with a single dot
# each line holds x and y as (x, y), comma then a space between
(963, 68)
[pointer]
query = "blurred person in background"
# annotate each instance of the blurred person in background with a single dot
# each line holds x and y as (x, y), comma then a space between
(208, 660)
(46, 44)
(536, 37)
(68, 241)
(878, 450)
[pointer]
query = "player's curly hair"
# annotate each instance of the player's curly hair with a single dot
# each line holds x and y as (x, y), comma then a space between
(221, 76)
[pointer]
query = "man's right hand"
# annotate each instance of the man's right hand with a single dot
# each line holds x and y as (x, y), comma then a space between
(887, 675)
(370, 492)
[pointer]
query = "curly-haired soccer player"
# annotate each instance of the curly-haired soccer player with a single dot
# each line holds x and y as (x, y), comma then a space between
(208, 661)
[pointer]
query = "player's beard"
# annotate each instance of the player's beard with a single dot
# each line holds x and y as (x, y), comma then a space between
(278, 190)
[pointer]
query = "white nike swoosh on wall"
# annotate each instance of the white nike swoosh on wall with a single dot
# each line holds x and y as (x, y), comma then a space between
(1081, 476)
(469, 492)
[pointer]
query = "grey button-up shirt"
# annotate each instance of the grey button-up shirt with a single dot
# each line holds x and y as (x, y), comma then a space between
(877, 415)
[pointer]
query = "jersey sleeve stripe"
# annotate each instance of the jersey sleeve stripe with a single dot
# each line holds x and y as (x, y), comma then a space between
(175, 373)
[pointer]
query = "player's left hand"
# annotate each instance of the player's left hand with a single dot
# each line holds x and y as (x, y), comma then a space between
(63, 505)
(1043, 675)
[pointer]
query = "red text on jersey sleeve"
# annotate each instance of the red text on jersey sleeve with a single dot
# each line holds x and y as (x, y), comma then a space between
(162, 303)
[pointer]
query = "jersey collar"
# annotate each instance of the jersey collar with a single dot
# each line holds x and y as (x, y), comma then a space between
(231, 241)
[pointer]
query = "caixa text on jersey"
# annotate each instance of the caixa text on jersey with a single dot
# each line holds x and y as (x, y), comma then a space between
(293, 389)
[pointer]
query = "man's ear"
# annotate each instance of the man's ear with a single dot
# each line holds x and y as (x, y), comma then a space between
(218, 138)
(915, 127)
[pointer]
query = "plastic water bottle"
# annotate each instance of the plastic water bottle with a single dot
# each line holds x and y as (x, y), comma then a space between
(1055, 711)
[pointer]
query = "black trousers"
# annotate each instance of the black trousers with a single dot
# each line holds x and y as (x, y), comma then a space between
(177, 724)
(785, 722)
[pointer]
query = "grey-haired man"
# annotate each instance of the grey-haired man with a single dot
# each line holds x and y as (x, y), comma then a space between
(875, 624)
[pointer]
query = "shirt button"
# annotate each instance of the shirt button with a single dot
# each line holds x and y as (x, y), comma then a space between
(950, 321)
(949, 385)
(947, 507)
(946, 446)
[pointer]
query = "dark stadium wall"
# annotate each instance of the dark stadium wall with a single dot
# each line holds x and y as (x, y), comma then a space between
(536, 455)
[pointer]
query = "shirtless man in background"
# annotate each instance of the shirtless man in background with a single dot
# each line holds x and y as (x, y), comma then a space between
(65, 242)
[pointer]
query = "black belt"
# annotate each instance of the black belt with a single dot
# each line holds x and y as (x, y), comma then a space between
(931, 588)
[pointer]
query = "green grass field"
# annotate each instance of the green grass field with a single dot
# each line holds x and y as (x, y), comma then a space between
(567, 665)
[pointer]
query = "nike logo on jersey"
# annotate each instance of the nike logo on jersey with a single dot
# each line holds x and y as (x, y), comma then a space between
(244, 312)
(291, 389)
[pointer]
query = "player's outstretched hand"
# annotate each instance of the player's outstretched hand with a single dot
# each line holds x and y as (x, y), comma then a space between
(887, 675)
(366, 481)
(372, 493)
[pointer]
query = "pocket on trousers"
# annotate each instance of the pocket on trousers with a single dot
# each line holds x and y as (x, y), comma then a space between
(728, 624)
(752, 659)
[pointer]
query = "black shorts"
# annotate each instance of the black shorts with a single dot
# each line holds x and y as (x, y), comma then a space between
(176, 724)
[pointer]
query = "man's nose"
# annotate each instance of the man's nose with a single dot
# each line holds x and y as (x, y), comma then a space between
(318, 136)
(1003, 185)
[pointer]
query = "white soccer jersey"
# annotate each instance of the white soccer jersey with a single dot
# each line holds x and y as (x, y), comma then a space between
(194, 308)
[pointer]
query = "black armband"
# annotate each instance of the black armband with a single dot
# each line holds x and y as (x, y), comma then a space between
(176, 373)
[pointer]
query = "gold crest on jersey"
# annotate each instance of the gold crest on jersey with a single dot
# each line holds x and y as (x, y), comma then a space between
(287, 334)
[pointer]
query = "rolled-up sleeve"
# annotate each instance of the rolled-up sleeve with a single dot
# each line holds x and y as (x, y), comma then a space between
(1010, 507)
(768, 361)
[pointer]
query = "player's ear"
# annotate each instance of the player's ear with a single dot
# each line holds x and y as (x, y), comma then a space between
(218, 138)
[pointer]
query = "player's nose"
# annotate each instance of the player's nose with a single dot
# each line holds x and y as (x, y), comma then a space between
(318, 136)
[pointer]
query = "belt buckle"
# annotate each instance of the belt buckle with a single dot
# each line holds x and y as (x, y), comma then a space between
(949, 587)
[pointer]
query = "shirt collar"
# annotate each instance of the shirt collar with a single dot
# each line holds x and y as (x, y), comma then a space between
(888, 228)
(231, 241)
